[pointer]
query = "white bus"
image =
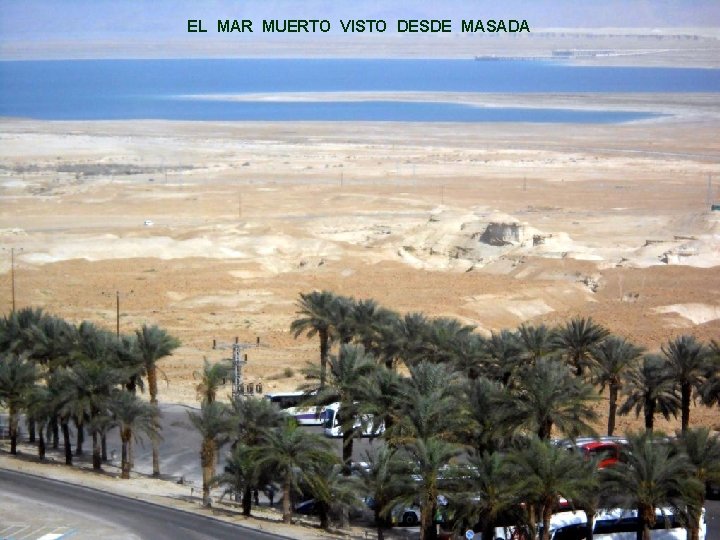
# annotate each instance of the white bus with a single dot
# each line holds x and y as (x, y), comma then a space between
(288, 403)
(332, 427)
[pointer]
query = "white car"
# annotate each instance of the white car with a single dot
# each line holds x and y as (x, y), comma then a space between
(148, 223)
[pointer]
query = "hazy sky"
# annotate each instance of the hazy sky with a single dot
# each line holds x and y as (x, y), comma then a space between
(41, 29)
(89, 19)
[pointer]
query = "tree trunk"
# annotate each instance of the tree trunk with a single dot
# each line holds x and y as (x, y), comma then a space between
(125, 437)
(207, 460)
(695, 523)
(649, 410)
(13, 430)
(97, 452)
(80, 438)
(152, 388)
(546, 515)
(68, 444)
(347, 452)
(324, 518)
(379, 522)
(103, 446)
(532, 521)
(613, 409)
(590, 525)
(545, 430)
(287, 513)
(31, 430)
(247, 500)
(685, 392)
(323, 334)
(41, 445)
(55, 433)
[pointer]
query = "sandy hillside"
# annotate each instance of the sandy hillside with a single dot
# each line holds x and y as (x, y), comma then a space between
(493, 224)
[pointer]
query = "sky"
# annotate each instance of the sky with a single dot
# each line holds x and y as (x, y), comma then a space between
(36, 23)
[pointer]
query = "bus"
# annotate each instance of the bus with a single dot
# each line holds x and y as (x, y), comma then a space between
(370, 428)
(290, 404)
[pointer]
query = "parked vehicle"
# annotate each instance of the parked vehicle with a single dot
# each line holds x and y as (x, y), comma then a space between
(606, 449)
(617, 524)
(409, 516)
(289, 403)
(368, 424)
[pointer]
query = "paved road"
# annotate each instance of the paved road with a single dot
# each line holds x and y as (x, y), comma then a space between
(145, 520)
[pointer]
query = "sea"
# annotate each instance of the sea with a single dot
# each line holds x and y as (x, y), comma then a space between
(195, 89)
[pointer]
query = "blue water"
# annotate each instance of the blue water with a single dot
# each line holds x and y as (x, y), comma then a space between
(134, 89)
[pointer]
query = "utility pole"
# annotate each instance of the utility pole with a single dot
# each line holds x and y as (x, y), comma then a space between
(12, 276)
(238, 362)
(117, 309)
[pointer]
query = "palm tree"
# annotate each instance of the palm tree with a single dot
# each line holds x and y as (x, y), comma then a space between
(711, 388)
(367, 319)
(85, 396)
(441, 338)
(212, 376)
(650, 476)
(40, 409)
(346, 384)
(154, 343)
(240, 475)
(250, 419)
(335, 494)
(469, 356)
(485, 400)
(504, 351)
(15, 330)
(382, 395)
(295, 455)
(429, 405)
(17, 379)
(342, 320)
(53, 342)
(127, 358)
(686, 360)
(390, 339)
(429, 459)
(547, 395)
(57, 383)
(613, 357)
(383, 477)
(134, 418)
(546, 473)
(536, 342)
(650, 389)
(703, 451)
(576, 340)
(214, 424)
(490, 494)
(315, 317)
(409, 336)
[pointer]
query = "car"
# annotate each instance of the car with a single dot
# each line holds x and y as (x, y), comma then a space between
(607, 450)
(148, 223)
(409, 516)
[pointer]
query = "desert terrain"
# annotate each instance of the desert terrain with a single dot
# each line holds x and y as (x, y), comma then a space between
(211, 230)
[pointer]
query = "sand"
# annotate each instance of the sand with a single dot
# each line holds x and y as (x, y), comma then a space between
(495, 224)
